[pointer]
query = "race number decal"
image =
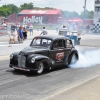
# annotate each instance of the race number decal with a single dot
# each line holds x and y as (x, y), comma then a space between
(60, 56)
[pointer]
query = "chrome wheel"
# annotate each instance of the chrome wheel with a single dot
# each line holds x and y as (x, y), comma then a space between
(40, 68)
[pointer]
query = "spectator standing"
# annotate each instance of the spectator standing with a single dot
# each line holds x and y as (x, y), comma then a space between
(13, 27)
(31, 29)
(78, 38)
(4, 25)
(24, 33)
(57, 28)
(44, 31)
(20, 34)
(17, 27)
(27, 28)
(87, 28)
(64, 29)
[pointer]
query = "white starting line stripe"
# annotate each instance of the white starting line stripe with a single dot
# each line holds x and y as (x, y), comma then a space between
(4, 42)
(7, 43)
(4, 45)
(6, 57)
(10, 44)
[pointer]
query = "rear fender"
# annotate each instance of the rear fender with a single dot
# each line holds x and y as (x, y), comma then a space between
(75, 52)
(71, 52)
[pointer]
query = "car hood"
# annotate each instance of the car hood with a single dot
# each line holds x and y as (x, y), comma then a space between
(34, 50)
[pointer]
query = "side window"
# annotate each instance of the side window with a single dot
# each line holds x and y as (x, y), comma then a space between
(58, 44)
(46, 42)
(55, 44)
(61, 43)
(69, 43)
(36, 41)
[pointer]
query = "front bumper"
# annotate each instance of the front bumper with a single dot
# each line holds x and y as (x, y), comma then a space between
(22, 69)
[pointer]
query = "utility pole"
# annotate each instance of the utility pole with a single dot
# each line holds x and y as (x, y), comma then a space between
(84, 10)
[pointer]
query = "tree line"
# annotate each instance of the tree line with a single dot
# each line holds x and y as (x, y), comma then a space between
(88, 15)
(6, 10)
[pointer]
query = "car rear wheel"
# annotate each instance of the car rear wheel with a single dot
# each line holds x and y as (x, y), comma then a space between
(73, 59)
(40, 68)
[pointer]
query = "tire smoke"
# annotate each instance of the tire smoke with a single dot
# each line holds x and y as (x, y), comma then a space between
(87, 58)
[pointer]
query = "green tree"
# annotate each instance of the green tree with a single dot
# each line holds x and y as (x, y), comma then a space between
(88, 14)
(9, 9)
(38, 8)
(27, 6)
(69, 15)
(5, 11)
(48, 8)
(13, 8)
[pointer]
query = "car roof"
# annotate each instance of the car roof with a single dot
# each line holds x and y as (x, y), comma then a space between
(52, 37)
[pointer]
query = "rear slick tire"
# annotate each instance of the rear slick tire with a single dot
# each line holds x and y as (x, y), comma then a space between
(73, 59)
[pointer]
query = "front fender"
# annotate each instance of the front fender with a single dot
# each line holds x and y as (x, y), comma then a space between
(39, 58)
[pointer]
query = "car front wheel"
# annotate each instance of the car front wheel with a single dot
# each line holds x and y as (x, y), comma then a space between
(40, 68)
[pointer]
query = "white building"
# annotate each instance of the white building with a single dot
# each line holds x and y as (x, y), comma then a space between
(96, 27)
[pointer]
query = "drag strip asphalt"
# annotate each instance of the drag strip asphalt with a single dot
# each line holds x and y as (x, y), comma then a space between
(40, 87)
(28, 86)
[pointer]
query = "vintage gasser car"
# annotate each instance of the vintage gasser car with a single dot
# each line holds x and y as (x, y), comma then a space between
(44, 52)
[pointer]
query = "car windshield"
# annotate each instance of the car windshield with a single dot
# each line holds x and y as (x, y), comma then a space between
(41, 42)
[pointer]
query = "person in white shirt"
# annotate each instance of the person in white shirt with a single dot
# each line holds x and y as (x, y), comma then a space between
(4, 25)
(64, 29)
(31, 29)
(78, 38)
(44, 31)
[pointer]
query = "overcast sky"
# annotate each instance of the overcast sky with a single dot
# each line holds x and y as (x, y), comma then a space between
(65, 5)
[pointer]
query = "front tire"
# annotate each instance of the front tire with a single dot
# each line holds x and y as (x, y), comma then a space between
(40, 68)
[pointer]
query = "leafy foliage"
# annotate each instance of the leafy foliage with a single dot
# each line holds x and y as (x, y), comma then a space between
(4, 11)
(27, 6)
(88, 15)
(9, 9)
(69, 15)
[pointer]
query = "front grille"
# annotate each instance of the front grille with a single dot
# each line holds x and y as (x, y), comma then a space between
(13, 62)
(21, 61)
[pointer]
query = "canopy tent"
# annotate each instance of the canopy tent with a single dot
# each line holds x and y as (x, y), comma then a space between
(41, 12)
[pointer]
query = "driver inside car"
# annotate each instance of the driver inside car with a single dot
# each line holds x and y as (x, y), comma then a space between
(55, 45)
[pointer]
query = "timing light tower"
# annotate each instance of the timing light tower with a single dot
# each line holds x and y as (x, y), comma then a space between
(96, 26)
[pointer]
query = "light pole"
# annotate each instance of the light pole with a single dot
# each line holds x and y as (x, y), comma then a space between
(84, 10)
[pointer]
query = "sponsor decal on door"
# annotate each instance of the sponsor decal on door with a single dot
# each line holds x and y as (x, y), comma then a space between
(60, 56)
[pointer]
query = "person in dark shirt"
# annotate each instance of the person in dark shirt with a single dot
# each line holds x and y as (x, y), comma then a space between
(24, 33)
(13, 27)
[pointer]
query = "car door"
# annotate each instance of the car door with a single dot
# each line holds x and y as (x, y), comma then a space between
(57, 52)
(68, 47)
